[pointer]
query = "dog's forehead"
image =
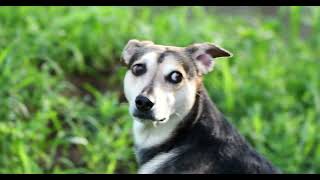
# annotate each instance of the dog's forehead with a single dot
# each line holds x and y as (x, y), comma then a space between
(165, 47)
(164, 53)
(177, 57)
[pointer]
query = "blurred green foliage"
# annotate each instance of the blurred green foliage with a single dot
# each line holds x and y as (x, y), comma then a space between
(61, 81)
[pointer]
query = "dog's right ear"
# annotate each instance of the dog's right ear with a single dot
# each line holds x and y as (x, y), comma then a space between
(131, 48)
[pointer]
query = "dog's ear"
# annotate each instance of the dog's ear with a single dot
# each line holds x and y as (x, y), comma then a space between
(203, 54)
(131, 48)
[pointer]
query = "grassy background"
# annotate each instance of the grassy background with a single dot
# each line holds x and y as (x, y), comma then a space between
(62, 107)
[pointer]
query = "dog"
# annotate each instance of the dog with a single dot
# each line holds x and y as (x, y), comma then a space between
(177, 128)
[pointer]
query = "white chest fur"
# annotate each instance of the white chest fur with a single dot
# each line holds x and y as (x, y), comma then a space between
(156, 162)
(146, 135)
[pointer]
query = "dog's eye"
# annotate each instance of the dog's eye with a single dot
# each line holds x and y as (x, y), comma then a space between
(174, 77)
(139, 69)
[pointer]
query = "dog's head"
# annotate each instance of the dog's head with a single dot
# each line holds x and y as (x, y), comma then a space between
(162, 81)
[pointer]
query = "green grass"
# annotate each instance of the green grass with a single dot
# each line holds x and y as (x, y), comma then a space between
(61, 80)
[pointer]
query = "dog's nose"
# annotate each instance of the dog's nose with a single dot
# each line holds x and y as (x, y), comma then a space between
(143, 103)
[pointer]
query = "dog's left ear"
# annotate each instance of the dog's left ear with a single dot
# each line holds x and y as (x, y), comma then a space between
(204, 54)
(131, 48)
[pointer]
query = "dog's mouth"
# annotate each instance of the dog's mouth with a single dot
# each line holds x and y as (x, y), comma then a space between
(149, 117)
(144, 116)
(160, 121)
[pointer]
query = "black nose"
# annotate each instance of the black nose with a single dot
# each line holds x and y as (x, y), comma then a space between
(143, 103)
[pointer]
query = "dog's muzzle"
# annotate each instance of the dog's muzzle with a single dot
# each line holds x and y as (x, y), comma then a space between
(144, 111)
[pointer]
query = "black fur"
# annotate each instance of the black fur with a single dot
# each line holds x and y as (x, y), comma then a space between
(208, 144)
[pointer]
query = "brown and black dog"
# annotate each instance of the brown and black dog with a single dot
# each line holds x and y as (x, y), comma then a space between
(177, 128)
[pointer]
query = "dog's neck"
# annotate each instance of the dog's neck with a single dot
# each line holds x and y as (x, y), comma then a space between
(146, 135)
